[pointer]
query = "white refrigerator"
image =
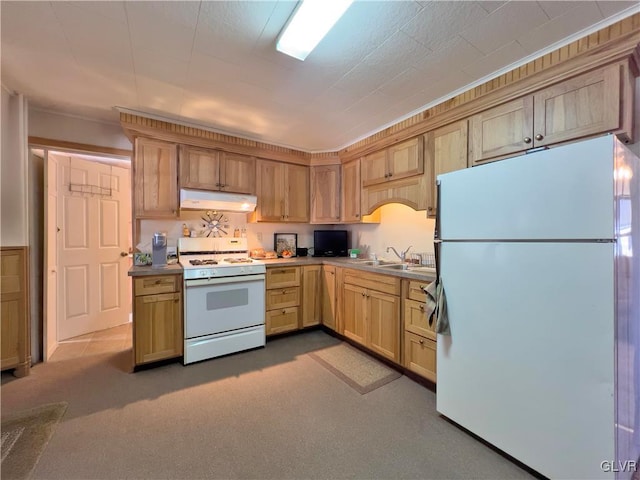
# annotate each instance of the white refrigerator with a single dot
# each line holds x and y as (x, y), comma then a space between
(539, 260)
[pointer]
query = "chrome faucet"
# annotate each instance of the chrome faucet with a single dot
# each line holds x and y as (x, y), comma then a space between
(402, 255)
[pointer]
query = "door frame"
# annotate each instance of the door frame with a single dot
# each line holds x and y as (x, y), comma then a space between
(43, 147)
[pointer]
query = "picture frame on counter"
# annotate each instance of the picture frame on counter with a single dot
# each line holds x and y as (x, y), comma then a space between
(285, 244)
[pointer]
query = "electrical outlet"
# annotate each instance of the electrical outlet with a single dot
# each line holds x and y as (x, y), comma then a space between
(259, 235)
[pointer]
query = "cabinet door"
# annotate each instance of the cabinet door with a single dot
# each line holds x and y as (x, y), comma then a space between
(199, 168)
(158, 327)
(383, 324)
(416, 321)
(354, 313)
(447, 152)
(350, 192)
(311, 295)
(237, 173)
(503, 130)
(375, 168)
(281, 320)
(406, 159)
(329, 296)
(420, 355)
(297, 193)
(155, 173)
(325, 194)
(586, 105)
(270, 189)
(13, 311)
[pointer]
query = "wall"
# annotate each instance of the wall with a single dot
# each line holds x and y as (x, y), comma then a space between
(75, 129)
(13, 171)
(400, 227)
(239, 220)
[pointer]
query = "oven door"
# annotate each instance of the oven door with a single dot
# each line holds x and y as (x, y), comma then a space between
(217, 305)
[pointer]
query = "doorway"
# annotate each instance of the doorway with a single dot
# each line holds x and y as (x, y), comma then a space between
(87, 245)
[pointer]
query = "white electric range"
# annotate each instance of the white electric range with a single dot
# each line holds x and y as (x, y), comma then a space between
(224, 307)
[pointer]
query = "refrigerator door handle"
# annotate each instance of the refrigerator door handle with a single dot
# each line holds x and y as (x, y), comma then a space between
(436, 233)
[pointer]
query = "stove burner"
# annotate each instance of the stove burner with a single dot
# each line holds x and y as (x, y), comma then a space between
(238, 260)
(203, 262)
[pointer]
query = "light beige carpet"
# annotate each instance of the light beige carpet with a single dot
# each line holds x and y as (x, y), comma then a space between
(356, 369)
(25, 435)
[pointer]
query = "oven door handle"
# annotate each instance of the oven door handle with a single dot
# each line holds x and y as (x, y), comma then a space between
(223, 280)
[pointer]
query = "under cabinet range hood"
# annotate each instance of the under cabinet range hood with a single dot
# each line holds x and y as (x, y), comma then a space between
(220, 201)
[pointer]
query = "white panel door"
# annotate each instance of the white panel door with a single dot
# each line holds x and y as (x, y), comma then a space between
(93, 211)
(529, 365)
(561, 193)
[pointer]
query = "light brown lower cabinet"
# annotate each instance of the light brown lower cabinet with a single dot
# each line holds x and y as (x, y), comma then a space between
(329, 296)
(14, 311)
(372, 317)
(282, 299)
(157, 318)
(311, 295)
(420, 355)
(419, 350)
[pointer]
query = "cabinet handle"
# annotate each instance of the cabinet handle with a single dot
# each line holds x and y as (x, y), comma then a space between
(284, 311)
(158, 282)
(539, 137)
(357, 215)
(284, 291)
(390, 175)
(363, 294)
(218, 184)
(386, 175)
(368, 296)
(527, 139)
(421, 342)
(176, 300)
(422, 308)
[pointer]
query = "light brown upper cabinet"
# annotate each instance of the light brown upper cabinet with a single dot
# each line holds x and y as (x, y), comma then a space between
(585, 105)
(206, 169)
(325, 194)
(351, 196)
(155, 179)
(283, 192)
(399, 161)
(446, 151)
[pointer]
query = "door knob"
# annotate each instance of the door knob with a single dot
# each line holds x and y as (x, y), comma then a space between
(124, 254)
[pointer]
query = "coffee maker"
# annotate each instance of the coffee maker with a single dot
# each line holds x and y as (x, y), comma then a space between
(159, 250)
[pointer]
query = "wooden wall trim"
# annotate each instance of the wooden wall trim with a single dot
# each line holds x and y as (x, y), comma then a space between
(135, 125)
(83, 147)
(617, 42)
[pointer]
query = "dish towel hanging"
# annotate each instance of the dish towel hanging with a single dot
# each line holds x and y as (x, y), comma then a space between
(436, 304)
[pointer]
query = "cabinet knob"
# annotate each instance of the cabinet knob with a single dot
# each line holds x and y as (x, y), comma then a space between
(284, 311)
(363, 294)
(218, 184)
(527, 139)
(390, 175)
(422, 308)
(421, 342)
(539, 137)
(357, 215)
(284, 291)
(386, 175)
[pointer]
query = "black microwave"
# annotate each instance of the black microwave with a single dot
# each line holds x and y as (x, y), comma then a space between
(330, 243)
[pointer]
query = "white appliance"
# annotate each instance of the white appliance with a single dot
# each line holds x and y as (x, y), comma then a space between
(224, 307)
(220, 201)
(539, 260)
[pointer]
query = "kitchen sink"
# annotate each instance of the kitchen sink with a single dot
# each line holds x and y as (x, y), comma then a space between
(393, 265)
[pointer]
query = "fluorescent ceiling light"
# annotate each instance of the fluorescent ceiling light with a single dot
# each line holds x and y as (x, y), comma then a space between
(309, 24)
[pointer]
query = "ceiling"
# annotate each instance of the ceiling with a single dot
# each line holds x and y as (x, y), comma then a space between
(214, 64)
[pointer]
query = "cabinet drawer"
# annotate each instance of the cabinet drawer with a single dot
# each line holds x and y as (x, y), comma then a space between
(278, 277)
(416, 321)
(283, 298)
(156, 284)
(420, 355)
(282, 320)
(416, 291)
(380, 283)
